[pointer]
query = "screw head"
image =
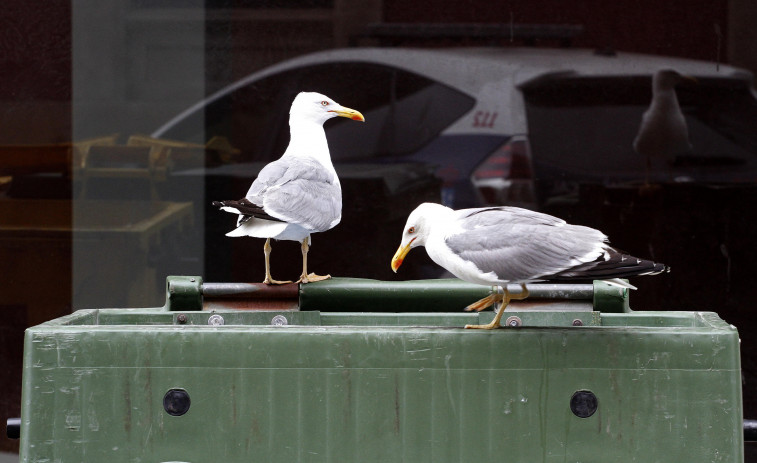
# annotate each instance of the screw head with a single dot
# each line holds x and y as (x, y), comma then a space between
(578, 322)
(215, 320)
(181, 319)
(513, 321)
(279, 320)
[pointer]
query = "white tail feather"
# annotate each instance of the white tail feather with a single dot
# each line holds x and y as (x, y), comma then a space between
(233, 210)
(258, 229)
(620, 283)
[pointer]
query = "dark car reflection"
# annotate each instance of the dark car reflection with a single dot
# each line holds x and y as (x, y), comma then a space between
(465, 127)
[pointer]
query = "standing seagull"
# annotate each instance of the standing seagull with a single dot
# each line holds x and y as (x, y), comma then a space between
(495, 246)
(299, 193)
(663, 132)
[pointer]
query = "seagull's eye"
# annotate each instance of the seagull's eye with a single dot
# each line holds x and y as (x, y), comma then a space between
(411, 230)
(324, 103)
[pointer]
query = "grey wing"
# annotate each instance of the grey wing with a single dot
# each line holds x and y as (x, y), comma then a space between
(519, 245)
(300, 191)
(268, 177)
(493, 216)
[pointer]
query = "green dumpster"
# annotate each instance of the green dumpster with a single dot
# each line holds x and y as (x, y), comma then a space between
(564, 382)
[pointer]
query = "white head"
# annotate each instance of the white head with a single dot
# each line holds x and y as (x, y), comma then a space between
(418, 227)
(315, 107)
(666, 79)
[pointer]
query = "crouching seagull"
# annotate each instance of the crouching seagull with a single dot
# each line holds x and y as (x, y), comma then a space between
(494, 246)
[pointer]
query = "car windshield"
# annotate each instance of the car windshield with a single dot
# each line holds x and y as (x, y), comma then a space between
(582, 130)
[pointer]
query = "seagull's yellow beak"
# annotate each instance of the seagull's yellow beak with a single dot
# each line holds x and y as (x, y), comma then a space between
(349, 114)
(399, 256)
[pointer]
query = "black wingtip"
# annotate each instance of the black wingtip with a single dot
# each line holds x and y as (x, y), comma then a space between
(660, 268)
(619, 265)
(245, 207)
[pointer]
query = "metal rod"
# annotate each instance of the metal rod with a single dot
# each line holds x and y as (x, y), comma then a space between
(750, 430)
(556, 291)
(371, 295)
(291, 290)
(249, 290)
(13, 428)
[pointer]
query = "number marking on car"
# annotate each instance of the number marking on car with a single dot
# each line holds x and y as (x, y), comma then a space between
(484, 119)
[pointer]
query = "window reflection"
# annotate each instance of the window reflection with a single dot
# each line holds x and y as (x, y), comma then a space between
(101, 197)
(581, 130)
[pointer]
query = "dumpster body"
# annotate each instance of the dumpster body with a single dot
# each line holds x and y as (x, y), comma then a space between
(577, 384)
